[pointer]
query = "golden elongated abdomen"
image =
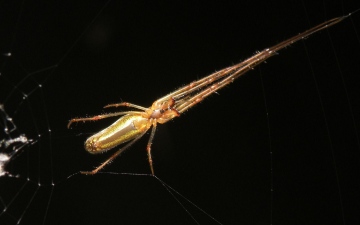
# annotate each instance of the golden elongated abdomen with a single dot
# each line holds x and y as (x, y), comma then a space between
(124, 129)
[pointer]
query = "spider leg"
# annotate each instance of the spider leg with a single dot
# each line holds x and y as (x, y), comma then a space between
(100, 117)
(148, 148)
(126, 104)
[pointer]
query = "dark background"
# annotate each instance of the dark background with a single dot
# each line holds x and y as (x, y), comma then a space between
(217, 154)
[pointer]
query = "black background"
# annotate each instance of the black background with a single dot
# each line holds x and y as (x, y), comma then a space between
(216, 154)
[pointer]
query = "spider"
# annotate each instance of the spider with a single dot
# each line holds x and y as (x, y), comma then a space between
(134, 124)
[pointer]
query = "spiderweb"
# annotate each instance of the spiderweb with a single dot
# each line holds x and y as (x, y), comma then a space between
(278, 146)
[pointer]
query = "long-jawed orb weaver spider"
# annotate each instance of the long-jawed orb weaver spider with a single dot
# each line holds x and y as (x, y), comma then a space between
(134, 124)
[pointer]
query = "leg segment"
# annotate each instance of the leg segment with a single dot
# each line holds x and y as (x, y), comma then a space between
(126, 104)
(148, 148)
(100, 117)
